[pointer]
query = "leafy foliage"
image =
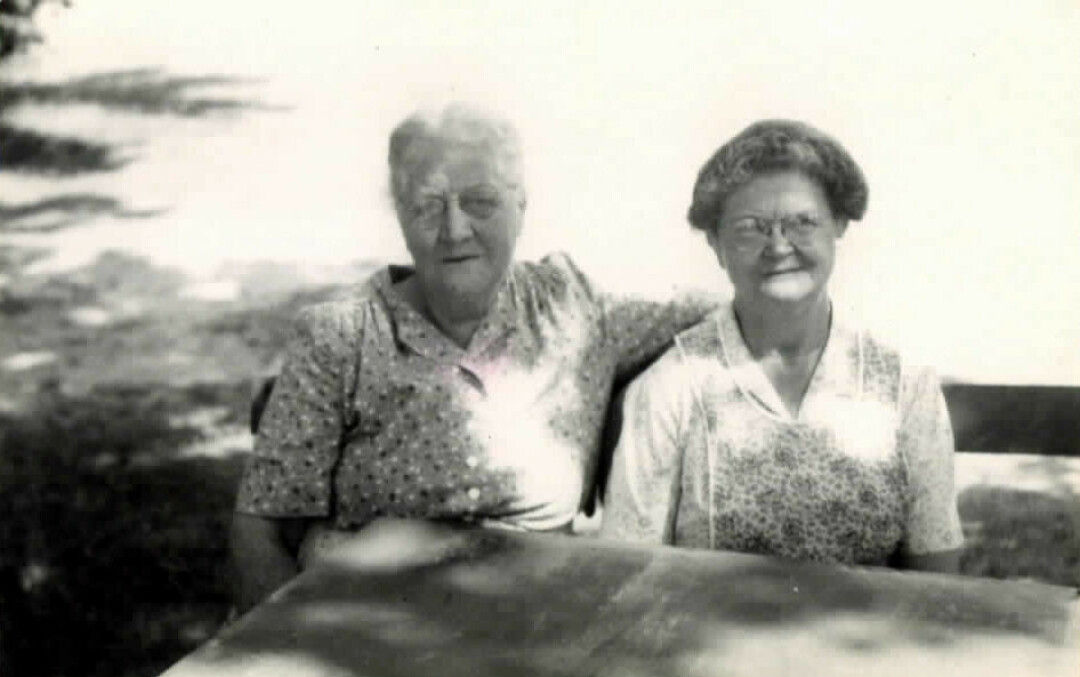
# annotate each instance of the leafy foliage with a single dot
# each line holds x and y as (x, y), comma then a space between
(142, 90)
(16, 29)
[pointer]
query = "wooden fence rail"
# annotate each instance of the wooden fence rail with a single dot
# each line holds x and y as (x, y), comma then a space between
(1015, 419)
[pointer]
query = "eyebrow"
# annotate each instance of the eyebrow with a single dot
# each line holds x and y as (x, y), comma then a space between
(430, 190)
(481, 188)
(808, 211)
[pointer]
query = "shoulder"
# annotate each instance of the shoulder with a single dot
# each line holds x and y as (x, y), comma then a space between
(555, 269)
(671, 376)
(702, 340)
(877, 353)
(555, 277)
(913, 380)
(881, 363)
(338, 322)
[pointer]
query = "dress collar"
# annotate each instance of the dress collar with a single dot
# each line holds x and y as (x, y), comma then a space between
(838, 371)
(421, 335)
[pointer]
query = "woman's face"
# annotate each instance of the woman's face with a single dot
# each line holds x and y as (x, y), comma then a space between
(461, 221)
(776, 238)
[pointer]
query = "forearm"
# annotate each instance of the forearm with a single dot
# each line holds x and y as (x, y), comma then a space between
(262, 559)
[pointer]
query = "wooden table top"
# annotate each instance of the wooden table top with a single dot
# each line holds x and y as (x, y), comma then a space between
(412, 599)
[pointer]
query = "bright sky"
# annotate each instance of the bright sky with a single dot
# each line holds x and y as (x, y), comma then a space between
(964, 116)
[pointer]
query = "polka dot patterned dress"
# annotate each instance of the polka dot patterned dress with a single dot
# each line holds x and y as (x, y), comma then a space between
(377, 413)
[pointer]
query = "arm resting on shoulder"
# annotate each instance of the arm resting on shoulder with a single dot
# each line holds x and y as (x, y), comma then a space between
(642, 330)
(263, 551)
(638, 328)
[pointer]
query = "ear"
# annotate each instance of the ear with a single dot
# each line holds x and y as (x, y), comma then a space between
(841, 227)
(712, 236)
(520, 201)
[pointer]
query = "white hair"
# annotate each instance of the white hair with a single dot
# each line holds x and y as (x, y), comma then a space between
(456, 123)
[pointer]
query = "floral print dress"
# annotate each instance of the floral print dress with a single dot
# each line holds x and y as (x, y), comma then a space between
(709, 457)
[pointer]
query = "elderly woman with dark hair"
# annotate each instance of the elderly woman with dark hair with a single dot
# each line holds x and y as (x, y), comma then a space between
(772, 427)
(464, 387)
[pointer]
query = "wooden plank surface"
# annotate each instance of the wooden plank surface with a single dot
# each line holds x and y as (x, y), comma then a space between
(416, 599)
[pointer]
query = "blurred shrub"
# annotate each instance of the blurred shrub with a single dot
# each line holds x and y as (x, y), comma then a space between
(1017, 534)
(112, 550)
(16, 29)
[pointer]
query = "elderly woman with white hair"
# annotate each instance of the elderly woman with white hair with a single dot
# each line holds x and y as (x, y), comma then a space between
(464, 387)
(774, 427)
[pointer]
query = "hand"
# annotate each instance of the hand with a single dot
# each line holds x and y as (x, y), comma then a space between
(261, 562)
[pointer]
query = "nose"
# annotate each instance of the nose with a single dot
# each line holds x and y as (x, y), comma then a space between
(456, 226)
(778, 244)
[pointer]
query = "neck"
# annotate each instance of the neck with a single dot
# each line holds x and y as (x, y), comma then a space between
(459, 329)
(791, 329)
(456, 317)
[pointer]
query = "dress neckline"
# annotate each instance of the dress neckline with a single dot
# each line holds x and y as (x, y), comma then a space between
(420, 334)
(835, 373)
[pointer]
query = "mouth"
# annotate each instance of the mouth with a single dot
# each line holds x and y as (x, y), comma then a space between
(783, 271)
(461, 258)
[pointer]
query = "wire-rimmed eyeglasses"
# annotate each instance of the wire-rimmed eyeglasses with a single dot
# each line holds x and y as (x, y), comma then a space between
(751, 232)
(429, 209)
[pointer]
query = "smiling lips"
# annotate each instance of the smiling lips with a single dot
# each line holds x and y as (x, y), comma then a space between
(783, 271)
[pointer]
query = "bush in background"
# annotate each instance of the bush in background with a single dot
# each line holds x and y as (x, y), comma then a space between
(113, 549)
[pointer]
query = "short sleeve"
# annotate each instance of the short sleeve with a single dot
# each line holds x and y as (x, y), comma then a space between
(926, 442)
(299, 437)
(642, 495)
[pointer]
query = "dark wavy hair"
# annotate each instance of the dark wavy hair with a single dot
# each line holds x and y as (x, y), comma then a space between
(778, 145)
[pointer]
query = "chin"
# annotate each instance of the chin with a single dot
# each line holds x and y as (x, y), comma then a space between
(790, 289)
(470, 286)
